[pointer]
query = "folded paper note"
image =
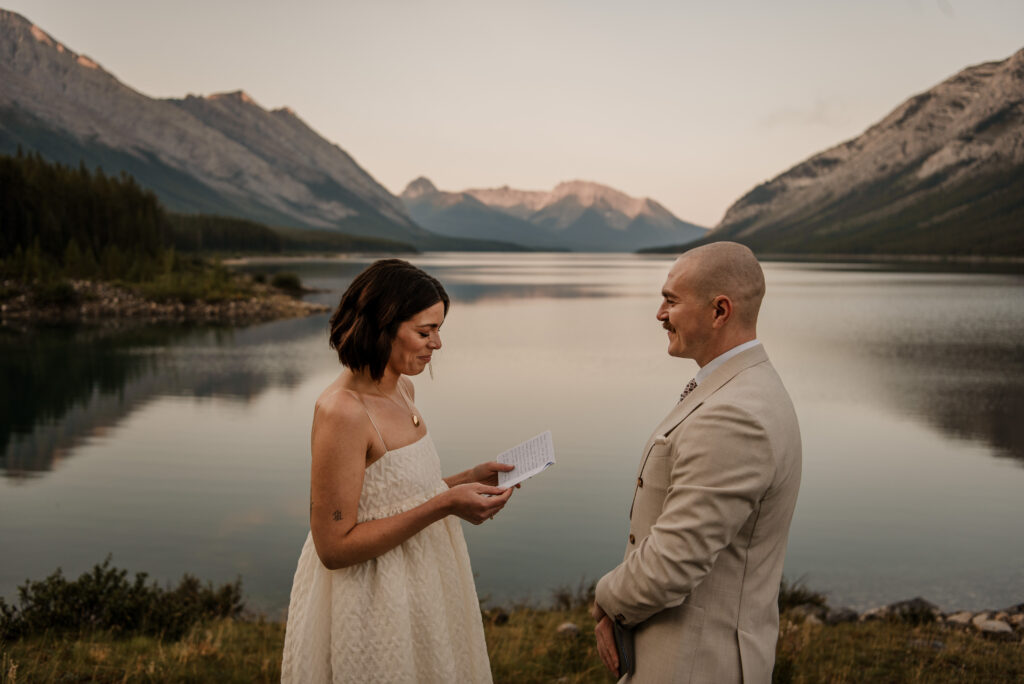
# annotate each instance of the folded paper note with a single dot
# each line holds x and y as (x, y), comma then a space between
(529, 458)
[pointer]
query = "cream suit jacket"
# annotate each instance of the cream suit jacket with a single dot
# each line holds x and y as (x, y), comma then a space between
(708, 526)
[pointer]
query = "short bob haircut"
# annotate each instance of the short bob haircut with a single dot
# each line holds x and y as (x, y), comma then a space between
(381, 298)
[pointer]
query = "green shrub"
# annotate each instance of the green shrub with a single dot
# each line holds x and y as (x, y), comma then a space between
(287, 281)
(56, 293)
(105, 599)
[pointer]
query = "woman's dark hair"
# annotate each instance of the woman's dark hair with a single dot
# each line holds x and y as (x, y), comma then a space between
(381, 298)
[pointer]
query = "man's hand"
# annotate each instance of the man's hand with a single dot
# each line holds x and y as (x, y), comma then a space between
(605, 634)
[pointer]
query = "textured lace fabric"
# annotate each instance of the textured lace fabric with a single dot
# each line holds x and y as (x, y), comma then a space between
(409, 615)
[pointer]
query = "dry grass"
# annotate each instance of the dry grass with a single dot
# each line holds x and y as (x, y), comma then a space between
(526, 648)
(222, 651)
(893, 652)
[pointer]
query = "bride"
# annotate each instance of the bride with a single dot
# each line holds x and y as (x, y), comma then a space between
(383, 590)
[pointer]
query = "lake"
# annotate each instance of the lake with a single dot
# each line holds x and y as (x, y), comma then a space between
(186, 449)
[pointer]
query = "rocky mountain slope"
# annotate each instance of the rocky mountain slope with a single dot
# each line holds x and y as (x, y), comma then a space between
(942, 174)
(461, 215)
(222, 154)
(576, 215)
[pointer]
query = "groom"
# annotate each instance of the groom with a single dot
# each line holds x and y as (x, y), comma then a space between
(697, 591)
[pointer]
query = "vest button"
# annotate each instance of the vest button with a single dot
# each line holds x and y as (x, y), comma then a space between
(632, 539)
(639, 482)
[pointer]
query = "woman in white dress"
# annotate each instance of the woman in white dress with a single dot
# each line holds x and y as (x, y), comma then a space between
(383, 591)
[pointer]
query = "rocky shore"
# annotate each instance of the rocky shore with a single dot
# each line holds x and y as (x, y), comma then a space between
(1006, 624)
(86, 301)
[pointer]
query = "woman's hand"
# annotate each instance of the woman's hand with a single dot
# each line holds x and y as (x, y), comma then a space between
(487, 473)
(475, 503)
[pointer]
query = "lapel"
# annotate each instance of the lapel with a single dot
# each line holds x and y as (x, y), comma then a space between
(711, 384)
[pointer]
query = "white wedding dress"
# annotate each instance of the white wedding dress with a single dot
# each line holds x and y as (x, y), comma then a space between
(409, 615)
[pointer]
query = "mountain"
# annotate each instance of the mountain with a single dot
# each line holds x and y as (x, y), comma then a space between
(942, 174)
(221, 154)
(458, 214)
(576, 215)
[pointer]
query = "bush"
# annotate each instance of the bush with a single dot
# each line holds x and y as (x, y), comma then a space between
(287, 281)
(105, 599)
(57, 293)
(793, 594)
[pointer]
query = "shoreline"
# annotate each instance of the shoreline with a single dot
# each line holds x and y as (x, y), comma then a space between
(98, 302)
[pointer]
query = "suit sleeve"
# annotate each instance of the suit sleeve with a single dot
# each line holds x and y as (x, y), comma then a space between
(722, 466)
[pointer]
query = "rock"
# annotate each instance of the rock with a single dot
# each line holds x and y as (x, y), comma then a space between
(961, 620)
(841, 615)
(570, 629)
(880, 613)
(996, 629)
(806, 610)
(812, 619)
(980, 618)
(915, 611)
(1002, 616)
(1017, 620)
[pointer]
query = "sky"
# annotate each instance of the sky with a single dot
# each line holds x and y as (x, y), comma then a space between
(690, 104)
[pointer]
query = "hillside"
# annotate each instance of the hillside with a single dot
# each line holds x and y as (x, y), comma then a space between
(943, 174)
(221, 154)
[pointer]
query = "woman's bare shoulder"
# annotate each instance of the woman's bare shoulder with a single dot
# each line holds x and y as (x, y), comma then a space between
(340, 407)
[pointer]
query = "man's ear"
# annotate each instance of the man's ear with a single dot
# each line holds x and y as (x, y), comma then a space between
(722, 308)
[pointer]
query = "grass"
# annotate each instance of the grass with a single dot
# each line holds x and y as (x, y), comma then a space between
(526, 649)
(892, 652)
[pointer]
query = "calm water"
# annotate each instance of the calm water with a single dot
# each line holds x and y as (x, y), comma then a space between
(186, 449)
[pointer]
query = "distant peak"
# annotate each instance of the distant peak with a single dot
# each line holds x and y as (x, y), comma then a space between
(418, 188)
(42, 36)
(235, 95)
(286, 110)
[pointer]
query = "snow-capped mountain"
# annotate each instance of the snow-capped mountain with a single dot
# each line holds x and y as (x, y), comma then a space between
(577, 215)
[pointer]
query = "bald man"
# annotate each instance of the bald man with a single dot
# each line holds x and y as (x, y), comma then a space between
(697, 591)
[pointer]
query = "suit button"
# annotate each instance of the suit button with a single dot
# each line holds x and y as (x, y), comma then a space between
(632, 539)
(639, 482)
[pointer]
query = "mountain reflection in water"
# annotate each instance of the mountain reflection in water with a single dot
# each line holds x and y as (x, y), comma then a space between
(185, 449)
(63, 384)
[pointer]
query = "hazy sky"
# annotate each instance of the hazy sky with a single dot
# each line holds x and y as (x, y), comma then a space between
(689, 103)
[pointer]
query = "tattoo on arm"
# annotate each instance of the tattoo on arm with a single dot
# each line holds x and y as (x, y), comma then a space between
(336, 516)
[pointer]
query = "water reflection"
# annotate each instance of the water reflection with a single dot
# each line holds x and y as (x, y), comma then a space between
(65, 384)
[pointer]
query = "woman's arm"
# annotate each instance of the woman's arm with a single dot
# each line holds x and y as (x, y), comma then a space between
(340, 441)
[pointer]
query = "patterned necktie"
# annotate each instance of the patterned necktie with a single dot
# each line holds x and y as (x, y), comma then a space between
(690, 386)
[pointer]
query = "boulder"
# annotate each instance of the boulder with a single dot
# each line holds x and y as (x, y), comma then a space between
(806, 610)
(996, 629)
(879, 613)
(915, 611)
(961, 620)
(981, 617)
(568, 629)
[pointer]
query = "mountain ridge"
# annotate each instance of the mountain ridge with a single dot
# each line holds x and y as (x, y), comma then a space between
(942, 173)
(577, 215)
(220, 154)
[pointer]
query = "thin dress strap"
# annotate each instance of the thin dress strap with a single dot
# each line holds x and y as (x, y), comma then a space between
(380, 436)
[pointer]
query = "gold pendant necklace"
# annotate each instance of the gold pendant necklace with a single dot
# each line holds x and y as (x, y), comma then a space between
(412, 414)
